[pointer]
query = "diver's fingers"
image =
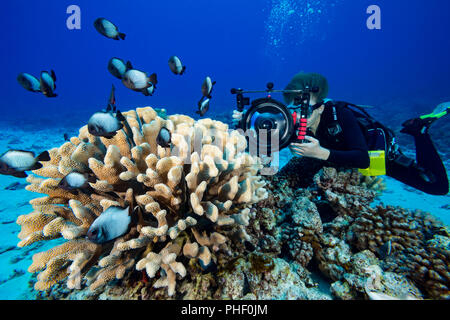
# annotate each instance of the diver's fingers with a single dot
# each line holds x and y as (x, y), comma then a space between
(237, 117)
(300, 145)
(297, 152)
(297, 149)
(294, 144)
(313, 140)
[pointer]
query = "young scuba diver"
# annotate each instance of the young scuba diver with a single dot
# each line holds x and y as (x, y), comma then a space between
(336, 136)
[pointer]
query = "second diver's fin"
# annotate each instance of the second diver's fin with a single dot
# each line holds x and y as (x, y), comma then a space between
(441, 110)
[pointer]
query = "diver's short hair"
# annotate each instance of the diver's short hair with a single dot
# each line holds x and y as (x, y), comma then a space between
(302, 80)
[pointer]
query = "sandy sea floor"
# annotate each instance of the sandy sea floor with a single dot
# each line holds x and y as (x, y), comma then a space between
(14, 261)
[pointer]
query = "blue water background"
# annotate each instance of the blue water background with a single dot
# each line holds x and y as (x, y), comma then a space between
(238, 43)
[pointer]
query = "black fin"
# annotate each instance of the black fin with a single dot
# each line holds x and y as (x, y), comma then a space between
(154, 78)
(62, 183)
(120, 116)
(183, 70)
(109, 108)
(90, 178)
(122, 36)
(109, 135)
(44, 156)
(134, 215)
(214, 82)
(36, 166)
(20, 175)
(53, 74)
(74, 191)
(145, 92)
(129, 65)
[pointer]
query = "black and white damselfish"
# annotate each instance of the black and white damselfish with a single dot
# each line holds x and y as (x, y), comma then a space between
(29, 82)
(203, 106)
(117, 67)
(139, 81)
(106, 123)
(207, 87)
(108, 29)
(111, 224)
(176, 66)
(16, 162)
(164, 138)
(76, 181)
(48, 83)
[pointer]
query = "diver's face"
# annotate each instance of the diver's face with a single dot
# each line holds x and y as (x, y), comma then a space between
(314, 118)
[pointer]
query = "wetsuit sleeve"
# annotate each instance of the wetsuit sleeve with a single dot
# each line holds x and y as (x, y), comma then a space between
(356, 154)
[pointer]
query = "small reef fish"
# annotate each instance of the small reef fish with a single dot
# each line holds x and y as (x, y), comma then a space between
(207, 87)
(111, 224)
(15, 162)
(66, 137)
(203, 106)
(139, 81)
(108, 29)
(133, 79)
(75, 181)
(385, 250)
(48, 84)
(176, 66)
(29, 82)
(117, 67)
(164, 138)
(105, 123)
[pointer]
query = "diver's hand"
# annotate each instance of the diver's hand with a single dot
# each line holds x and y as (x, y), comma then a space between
(237, 117)
(311, 149)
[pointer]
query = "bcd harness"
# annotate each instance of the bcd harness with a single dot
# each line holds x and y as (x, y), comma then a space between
(380, 139)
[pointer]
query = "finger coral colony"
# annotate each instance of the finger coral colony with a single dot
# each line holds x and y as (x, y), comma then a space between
(205, 224)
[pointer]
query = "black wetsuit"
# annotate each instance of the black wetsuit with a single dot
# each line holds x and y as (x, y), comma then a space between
(349, 149)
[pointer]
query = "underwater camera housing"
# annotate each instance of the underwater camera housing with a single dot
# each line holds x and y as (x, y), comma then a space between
(268, 124)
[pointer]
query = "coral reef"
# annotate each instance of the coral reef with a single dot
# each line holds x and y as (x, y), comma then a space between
(418, 245)
(191, 200)
(263, 277)
(209, 227)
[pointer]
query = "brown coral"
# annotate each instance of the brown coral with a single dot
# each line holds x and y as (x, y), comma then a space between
(419, 248)
(205, 178)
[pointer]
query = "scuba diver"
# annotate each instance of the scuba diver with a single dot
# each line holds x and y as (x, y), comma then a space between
(342, 136)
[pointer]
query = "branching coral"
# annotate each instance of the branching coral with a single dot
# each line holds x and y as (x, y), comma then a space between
(191, 200)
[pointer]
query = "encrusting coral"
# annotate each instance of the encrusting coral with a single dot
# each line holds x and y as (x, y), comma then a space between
(191, 200)
(418, 247)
